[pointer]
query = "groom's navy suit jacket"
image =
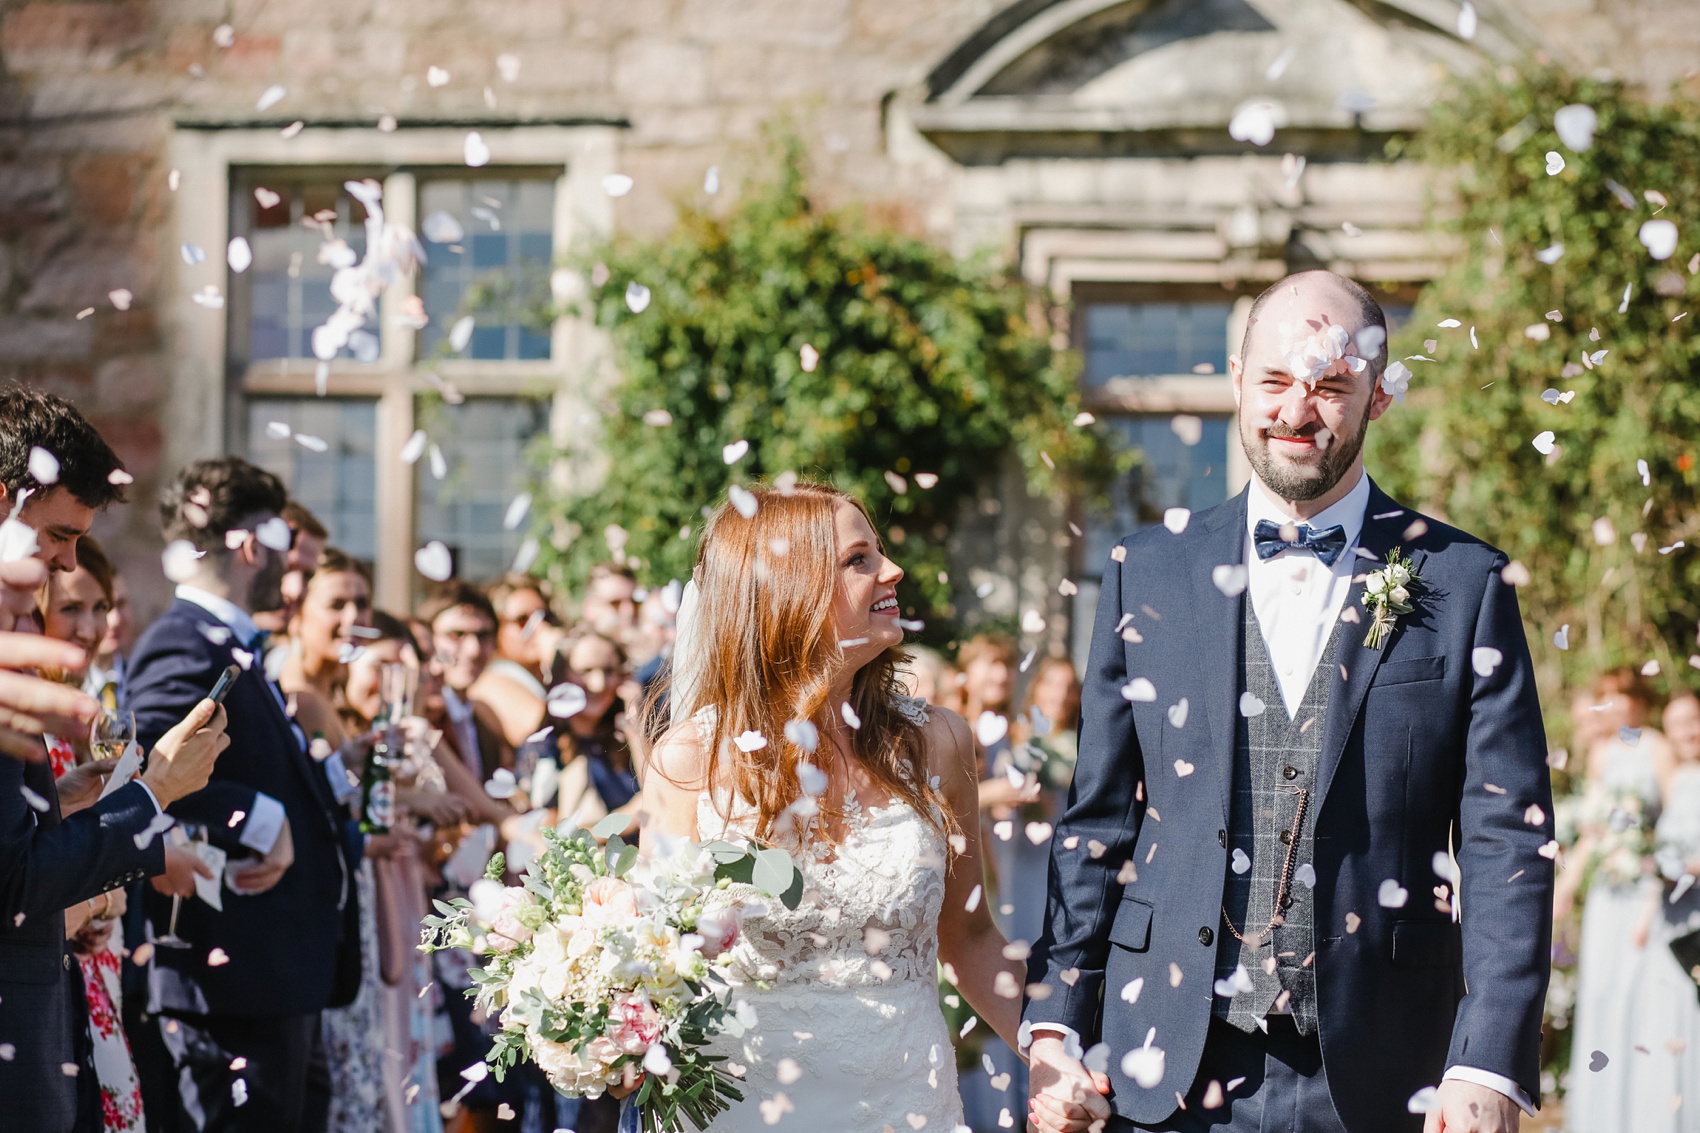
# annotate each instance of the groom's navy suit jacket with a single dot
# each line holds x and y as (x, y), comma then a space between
(294, 949)
(1417, 750)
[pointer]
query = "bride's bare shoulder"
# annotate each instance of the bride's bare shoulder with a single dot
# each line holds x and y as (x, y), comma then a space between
(950, 744)
(679, 760)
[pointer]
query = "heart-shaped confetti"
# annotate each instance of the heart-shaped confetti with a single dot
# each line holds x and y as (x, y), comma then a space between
(1176, 519)
(637, 297)
(990, 728)
(734, 452)
(1555, 163)
(1229, 578)
(1543, 442)
(1562, 637)
(1183, 768)
(743, 500)
(1484, 659)
(434, 561)
(1139, 690)
(1251, 705)
(1598, 1061)
(1659, 236)
(1241, 861)
(1392, 895)
(1424, 1100)
(1178, 712)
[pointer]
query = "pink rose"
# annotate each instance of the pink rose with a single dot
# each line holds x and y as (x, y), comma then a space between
(497, 905)
(636, 1024)
(719, 929)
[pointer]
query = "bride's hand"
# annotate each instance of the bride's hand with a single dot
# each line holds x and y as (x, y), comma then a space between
(631, 1077)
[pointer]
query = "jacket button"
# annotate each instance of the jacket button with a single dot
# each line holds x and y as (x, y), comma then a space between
(1222, 838)
(1205, 936)
(1289, 772)
(67, 960)
(1286, 837)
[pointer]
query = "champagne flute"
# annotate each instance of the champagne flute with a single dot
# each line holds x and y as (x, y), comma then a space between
(111, 733)
(195, 834)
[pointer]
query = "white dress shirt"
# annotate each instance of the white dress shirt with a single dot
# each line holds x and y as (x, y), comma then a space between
(1296, 598)
(1297, 601)
(265, 821)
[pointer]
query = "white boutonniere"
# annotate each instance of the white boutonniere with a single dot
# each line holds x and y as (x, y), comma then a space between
(1387, 595)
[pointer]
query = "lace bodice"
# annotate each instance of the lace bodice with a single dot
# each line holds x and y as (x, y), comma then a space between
(870, 908)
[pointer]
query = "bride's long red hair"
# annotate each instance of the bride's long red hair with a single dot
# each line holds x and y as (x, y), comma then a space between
(769, 652)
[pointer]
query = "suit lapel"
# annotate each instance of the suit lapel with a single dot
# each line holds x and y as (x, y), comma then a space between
(1218, 619)
(1384, 526)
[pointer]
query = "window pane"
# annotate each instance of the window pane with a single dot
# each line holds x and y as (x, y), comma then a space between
(338, 485)
(1151, 339)
(498, 272)
(484, 443)
(289, 285)
(1172, 474)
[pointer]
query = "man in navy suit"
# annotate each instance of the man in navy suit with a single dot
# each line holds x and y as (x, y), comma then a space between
(239, 1009)
(1304, 880)
(57, 467)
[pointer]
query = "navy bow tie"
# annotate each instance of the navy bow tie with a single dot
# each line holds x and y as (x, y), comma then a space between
(260, 642)
(1328, 544)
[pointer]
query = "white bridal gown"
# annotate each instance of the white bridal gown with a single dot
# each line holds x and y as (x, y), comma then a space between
(849, 1035)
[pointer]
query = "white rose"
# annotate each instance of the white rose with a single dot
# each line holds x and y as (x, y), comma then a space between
(1398, 596)
(1398, 574)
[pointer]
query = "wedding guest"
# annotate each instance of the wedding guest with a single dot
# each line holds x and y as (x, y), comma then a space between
(463, 631)
(244, 1031)
(74, 608)
(307, 538)
(987, 663)
(405, 992)
(108, 670)
(591, 747)
(334, 607)
(1667, 1019)
(50, 860)
(611, 601)
(1614, 859)
(513, 683)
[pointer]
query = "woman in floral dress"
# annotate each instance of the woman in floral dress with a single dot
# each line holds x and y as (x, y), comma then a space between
(73, 606)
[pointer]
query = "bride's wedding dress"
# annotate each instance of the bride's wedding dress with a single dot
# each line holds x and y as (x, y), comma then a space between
(849, 1035)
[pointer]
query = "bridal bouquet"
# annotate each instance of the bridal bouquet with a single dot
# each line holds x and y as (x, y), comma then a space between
(600, 964)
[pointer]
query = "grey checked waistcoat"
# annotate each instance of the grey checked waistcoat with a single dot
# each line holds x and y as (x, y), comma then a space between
(1274, 756)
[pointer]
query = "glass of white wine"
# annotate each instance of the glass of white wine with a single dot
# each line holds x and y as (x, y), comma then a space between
(111, 733)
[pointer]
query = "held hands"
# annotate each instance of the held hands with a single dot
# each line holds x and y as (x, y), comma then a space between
(1465, 1107)
(183, 759)
(1065, 1096)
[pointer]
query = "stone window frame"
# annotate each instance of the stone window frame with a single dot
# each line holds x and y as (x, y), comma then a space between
(208, 399)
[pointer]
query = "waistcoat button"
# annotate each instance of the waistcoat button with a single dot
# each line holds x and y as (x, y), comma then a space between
(1286, 837)
(1289, 772)
(1205, 936)
(1222, 838)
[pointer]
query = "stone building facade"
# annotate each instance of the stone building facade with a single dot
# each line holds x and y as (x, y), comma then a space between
(1085, 140)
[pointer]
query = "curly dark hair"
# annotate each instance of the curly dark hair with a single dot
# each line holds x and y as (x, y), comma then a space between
(32, 419)
(210, 497)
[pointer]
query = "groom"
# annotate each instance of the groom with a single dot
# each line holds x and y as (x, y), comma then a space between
(1302, 883)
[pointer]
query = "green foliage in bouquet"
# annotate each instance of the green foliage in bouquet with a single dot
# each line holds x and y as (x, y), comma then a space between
(837, 350)
(1599, 533)
(662, 1000)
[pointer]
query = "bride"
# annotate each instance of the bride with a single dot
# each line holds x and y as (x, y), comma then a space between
(789, 727)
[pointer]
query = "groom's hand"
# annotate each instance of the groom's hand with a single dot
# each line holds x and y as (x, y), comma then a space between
(1065, 1096)
(1465, 1107)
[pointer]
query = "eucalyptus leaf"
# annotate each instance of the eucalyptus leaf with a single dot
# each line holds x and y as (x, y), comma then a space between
(773, 873)
(611, 825)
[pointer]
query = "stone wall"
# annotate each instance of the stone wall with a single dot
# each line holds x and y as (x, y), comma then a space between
(88, 92)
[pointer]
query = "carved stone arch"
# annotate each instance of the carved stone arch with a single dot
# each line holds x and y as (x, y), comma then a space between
(1101, 77)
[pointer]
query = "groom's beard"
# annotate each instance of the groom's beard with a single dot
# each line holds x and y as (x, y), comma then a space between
(1297, 482)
